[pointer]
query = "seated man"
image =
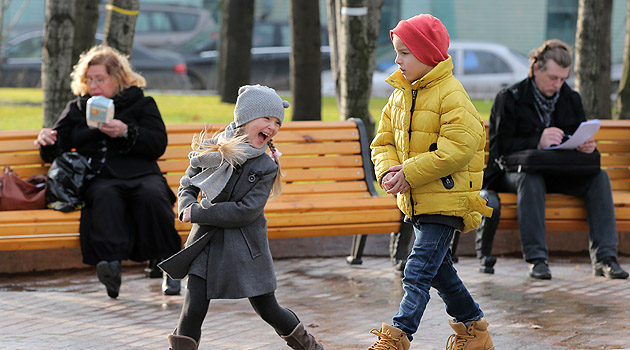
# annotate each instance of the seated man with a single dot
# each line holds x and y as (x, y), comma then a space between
(536, 113)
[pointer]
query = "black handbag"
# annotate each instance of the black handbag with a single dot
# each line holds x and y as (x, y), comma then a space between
(67, 175)
(552, 162)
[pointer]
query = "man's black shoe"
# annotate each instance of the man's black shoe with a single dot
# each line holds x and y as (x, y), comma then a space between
(170, 286)
(609, 268)
(152, 270)
(487, 264)
(540, 269)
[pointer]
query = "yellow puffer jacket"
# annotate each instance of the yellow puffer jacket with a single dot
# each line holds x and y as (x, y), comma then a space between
(441, 148)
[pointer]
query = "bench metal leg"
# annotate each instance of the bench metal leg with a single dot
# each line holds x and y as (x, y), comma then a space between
(358, 244)
(484, 235)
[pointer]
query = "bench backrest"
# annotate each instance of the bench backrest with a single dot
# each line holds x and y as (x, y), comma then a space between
(319, 158)
(613, 142)
(315, 148)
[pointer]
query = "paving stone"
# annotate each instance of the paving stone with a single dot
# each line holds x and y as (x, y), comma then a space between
(337, 302)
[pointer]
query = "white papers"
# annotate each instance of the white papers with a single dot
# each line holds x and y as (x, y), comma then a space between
(584, 131)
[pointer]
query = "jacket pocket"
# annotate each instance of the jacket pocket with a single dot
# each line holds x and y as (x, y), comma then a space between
(252, 244)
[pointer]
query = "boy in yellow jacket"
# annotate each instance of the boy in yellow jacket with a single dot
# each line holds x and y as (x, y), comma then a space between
(429, 151)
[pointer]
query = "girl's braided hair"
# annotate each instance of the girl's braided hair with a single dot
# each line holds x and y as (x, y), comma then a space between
(277, 182)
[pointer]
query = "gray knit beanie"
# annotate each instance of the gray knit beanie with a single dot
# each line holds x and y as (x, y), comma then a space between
(257, 101)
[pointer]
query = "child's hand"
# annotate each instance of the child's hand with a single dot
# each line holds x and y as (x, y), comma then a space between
(186, 215)
(397, 183)
(385, 180)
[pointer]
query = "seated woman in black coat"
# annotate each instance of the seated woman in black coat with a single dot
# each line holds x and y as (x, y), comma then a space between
(128, 212)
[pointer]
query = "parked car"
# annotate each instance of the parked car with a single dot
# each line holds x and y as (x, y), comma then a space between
(22, 63)
(483, 68)
(271, 48)
(159, 26)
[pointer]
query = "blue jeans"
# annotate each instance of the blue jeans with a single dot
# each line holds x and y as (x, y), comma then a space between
(600, 209)
(430, 265)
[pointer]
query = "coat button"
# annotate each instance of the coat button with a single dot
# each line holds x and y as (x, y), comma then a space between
(251, 178)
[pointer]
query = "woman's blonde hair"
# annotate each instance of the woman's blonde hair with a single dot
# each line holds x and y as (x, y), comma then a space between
(116, 64)
(229, 151)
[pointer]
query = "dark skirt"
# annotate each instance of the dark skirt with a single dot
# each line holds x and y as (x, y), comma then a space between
(128, 219)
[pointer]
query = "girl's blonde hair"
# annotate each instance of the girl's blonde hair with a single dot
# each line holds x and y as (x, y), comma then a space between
(229, 150)
(116, 64)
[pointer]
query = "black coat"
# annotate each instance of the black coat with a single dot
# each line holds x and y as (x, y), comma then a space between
(515, 124)
(128, 211)
(123, 158)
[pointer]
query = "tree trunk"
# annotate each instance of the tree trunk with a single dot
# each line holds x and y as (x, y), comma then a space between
(84, 27)
(57, 58)
(332, 8)
(357, 24)
(623, 95)
(306, 60)
(120, 24)
(592, 57)
(235, 58)
(4, 4)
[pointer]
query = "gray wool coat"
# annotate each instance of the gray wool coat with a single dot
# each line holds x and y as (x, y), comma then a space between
(232, 232)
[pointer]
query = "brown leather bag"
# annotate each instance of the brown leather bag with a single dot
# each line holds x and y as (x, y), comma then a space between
(19, 194)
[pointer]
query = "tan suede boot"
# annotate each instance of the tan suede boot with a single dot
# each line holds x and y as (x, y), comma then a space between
(300, 339)
(390, 338)
(182, 342)
(475, 337)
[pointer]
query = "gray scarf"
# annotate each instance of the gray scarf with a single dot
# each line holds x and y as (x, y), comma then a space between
(217, 167)
(544, 105)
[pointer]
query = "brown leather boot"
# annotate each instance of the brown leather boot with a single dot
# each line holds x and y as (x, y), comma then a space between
(182, 342)
(475, 337)
(300, 339)
(390, 338)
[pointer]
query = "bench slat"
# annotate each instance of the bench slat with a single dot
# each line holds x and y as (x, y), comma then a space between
(332, 217)
(331, 205)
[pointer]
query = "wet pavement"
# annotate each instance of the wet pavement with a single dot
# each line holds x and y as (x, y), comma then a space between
(338, 303)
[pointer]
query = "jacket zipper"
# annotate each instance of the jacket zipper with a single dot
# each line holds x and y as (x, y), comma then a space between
(414, 94)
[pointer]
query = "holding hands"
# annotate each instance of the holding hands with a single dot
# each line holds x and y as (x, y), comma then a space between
(394, 182)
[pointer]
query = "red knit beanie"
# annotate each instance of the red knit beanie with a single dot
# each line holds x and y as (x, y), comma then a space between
(425, 36)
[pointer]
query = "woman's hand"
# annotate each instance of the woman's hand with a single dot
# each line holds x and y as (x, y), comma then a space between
(47, 136)
(114, 129)
(186, 214)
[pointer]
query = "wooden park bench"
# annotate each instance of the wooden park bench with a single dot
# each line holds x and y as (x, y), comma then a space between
(328, 186)
(565, 212)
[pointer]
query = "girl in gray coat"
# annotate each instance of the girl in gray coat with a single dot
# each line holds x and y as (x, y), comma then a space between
(227, 253)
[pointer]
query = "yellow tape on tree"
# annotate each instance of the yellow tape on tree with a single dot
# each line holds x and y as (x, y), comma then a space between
(121, 10)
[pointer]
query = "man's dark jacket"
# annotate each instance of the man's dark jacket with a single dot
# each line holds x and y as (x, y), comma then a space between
(515, 124)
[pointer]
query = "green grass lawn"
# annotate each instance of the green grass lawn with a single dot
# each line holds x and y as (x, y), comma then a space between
(21, 108)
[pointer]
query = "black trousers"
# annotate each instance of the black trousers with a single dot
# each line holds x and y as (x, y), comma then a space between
(128, 219)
